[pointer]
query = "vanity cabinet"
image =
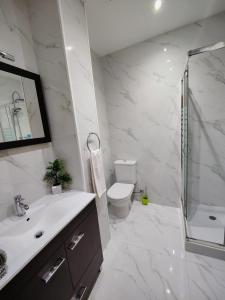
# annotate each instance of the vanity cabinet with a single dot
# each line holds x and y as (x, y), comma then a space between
(52, 282)
(67, 267)
(81, 246)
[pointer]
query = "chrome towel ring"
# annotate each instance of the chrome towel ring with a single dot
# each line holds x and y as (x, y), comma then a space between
(88, 141)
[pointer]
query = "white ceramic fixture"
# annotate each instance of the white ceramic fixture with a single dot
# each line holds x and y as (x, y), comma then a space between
(120, 193)
(48, 216)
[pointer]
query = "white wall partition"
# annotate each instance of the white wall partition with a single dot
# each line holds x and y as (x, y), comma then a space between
(78, 57)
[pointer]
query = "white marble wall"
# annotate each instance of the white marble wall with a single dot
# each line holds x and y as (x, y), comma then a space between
(22, 169)
(78, 56)
(32, 32)
(102, 118)
(49, 49)
(142, 86)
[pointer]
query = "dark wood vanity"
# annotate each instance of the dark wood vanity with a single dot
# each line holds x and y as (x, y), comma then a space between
(67, 267)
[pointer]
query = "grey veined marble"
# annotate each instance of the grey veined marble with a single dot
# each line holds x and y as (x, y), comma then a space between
(142, 92)
(145, 260)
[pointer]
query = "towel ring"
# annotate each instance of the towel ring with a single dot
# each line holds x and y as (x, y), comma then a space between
(99, 143)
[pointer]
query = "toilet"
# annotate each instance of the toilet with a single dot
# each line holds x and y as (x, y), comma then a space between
(120, 193)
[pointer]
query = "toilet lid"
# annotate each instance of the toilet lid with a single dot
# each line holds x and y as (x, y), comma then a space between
(120, 191)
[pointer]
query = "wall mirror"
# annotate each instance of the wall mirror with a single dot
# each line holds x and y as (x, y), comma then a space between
(23, 117)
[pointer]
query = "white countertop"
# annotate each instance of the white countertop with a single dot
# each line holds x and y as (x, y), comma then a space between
(50, 214)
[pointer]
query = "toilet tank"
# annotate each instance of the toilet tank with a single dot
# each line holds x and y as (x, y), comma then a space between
(125, 171)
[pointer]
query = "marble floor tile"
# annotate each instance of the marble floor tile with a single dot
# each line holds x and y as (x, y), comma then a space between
(206, 261)
(206, 282)
(131, 272)
(154, 227)
(139, 262)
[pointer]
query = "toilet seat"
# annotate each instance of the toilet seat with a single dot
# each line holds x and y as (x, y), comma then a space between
(120, 191)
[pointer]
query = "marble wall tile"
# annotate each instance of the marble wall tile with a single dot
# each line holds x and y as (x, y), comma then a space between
(22, 169)
(32, 32)
(16, 34)
(80, 76)
(49, 49)
(142, 89)
(78, 57)
(102, 118)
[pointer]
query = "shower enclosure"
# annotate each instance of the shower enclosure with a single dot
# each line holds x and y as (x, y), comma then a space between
(203, 150)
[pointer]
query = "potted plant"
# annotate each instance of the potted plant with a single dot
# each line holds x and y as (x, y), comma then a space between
(57, 177)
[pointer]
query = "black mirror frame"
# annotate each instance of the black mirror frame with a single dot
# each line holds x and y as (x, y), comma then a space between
(47, 137)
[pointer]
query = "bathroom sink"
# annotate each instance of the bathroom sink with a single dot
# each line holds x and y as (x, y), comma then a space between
(45, 218)
(21, 226)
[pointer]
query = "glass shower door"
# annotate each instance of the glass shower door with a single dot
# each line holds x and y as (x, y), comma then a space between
(203, 146)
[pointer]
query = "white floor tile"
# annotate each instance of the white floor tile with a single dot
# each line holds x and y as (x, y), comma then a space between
(136, 273)
(206, 283)
(145, 260)
(154, 227)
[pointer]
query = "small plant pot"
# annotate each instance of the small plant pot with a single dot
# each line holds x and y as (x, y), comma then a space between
(145, 200)
(56, 189)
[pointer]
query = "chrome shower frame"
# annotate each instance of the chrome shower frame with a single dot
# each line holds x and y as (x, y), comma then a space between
(209, 48)
(191, 244)
(14, 113)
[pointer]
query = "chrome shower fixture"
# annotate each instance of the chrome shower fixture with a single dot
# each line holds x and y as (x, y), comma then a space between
(16, 97)
(213, 47)
(6, 55)
(16, 110)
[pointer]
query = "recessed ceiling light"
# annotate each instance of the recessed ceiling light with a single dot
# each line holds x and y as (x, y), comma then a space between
(168, 60)
(165, 49)
(157, 4)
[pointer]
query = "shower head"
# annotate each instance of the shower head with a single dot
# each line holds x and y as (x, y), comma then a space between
(16, 97)
(216, 46)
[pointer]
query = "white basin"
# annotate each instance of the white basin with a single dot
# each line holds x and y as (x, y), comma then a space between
(49, 215)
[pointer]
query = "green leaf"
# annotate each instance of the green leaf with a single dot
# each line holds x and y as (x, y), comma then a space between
(56, 174)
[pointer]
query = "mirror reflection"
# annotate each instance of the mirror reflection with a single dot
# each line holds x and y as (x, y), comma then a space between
(20, 117)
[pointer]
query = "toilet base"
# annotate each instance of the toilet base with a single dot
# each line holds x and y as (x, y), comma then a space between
(120, 211)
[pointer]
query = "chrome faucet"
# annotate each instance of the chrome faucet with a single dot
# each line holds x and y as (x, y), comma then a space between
(20, 206)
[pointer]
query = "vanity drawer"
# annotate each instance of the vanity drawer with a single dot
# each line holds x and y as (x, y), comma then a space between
(82, 246)
(88, 280)
(51, 282)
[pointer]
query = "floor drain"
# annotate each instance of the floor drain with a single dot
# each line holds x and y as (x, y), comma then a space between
(212, 218)
(38, 234)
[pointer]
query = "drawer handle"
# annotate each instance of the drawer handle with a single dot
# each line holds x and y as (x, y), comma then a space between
(81, 293)
(75, 241)
(51, 272)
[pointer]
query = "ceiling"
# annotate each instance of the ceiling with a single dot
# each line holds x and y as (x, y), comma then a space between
(116, 24)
